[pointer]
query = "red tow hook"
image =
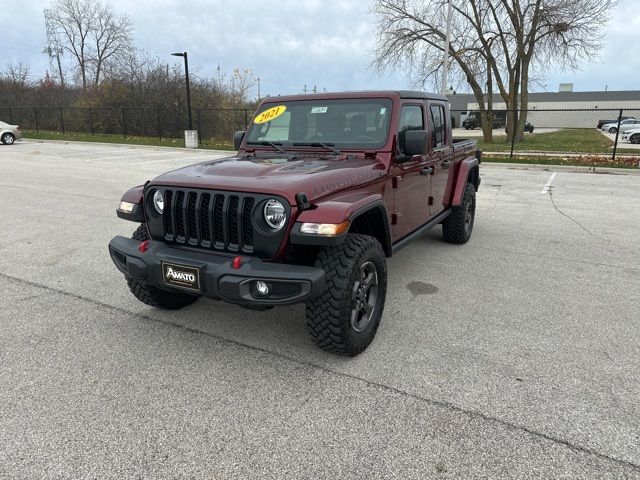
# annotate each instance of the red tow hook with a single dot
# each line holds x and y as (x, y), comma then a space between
(144, 246)
(237, 263)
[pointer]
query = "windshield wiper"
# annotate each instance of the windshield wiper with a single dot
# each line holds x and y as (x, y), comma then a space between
(269, 144)
(326, 146)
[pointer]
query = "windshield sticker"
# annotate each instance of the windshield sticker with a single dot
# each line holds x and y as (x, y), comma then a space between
(383, 111)
(319, 110)
(269, 114)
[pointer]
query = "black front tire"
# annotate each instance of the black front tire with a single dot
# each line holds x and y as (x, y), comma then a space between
(458, 226)
(613, 130)
(154, 296)
(635, 138)
(345, 318)
(8, 138)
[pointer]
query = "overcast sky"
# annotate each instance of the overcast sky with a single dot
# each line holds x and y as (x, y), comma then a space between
(290, 43)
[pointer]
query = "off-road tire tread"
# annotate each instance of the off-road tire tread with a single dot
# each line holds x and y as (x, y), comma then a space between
(453, 226)
(324, 312)
(153, 296)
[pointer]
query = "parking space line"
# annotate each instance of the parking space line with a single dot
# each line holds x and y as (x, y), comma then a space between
(549, 182)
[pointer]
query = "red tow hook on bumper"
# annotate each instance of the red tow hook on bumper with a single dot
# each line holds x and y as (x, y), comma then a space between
(144, 246)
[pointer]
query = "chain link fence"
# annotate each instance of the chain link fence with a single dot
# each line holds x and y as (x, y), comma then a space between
(215, 125)
(559, 132)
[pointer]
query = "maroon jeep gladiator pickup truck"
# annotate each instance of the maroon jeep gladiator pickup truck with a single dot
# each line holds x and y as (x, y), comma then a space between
(322, 190)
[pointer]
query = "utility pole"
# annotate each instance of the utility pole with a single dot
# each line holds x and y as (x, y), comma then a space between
(305, 88)
(55, 53)
(315, 89)
(447, 43)
(258, 88)
(53, 48)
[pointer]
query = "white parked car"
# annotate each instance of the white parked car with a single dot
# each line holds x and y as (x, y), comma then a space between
(632, 135)
(627, 127)
(9, 133)
(629, 123)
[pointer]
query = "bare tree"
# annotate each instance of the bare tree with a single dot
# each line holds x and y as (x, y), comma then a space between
(242, 81)
(17, 74)
(495, 43)
(537, 33)
(411, 36)
(111, 39)
(90, 32)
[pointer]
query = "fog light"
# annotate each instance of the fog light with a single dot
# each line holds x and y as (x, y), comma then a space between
(262, 287)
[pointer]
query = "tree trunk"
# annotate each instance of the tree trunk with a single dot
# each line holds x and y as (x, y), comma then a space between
(84, 76)
(524, 100)
(512, 102)
(479, 94)
(487, 121)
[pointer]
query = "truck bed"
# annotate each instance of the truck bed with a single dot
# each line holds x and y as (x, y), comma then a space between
(464, 147)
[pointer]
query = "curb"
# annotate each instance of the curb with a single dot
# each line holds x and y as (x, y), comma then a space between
(564, 168)
(126, 145)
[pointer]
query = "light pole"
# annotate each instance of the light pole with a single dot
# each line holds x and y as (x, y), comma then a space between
(445, 69)
(186, 74)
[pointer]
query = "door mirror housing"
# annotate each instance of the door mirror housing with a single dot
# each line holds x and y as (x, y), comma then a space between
(237, 139)
(415, 142)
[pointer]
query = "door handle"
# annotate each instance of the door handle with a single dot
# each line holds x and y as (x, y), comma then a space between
(426, 171)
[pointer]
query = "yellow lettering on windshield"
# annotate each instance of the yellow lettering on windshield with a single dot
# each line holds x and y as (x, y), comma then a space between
(269, 114)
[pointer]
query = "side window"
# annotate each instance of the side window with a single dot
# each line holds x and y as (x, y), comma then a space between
(437, 120)
(411, 118)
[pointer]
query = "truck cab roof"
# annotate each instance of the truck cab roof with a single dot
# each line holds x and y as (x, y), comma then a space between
(403, 94)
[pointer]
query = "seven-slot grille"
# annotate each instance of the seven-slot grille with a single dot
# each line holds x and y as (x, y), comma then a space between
(215, 220)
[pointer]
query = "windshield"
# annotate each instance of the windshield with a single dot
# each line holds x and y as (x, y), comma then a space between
(350, 123)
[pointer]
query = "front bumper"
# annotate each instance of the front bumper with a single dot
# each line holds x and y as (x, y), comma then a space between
(218, 279)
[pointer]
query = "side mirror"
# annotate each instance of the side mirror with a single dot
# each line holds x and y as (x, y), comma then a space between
(237, 139)
(415, 142)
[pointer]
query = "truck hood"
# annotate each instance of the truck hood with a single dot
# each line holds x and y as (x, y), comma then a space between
(278, 174)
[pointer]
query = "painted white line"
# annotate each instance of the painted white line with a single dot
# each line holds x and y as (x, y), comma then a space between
(549, 182)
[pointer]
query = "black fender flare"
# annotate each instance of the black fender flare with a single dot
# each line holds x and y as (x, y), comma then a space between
(377, 207)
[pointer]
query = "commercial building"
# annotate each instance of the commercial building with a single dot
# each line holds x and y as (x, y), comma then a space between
(560, 109)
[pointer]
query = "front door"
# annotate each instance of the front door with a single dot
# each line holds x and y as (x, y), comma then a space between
(411, 208)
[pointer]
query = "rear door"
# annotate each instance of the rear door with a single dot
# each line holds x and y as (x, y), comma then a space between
(441, 158)
(411, 208)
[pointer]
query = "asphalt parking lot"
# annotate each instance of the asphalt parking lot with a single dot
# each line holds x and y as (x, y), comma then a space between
(514, 356)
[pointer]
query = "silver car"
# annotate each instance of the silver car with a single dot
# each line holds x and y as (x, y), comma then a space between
(9, 133)
(627, 124)
(632, 135)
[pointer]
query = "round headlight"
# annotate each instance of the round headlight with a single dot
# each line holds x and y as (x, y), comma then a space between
(275, 214)
(158, 201)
